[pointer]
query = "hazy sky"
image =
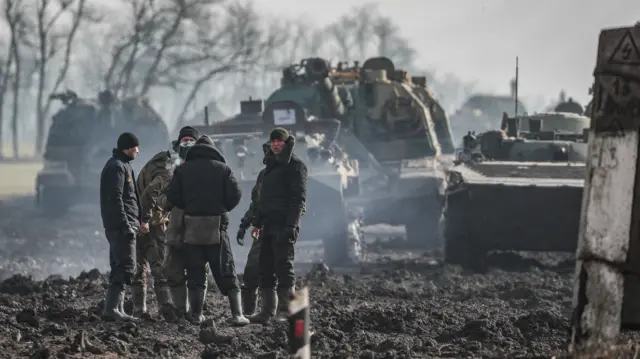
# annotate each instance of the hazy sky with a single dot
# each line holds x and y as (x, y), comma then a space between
(556, 40)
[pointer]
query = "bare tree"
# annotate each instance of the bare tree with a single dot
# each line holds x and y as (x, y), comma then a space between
(15, 16)
(56, 26)
(235, 45)
(6, 67)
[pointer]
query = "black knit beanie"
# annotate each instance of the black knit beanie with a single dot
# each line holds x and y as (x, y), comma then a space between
(279, 133)
(188, 131)
(127, 140)
(205, 140)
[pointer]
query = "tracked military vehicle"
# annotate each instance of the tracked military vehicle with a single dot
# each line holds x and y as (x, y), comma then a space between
(80, 140)
(517, 188)
(370, 143)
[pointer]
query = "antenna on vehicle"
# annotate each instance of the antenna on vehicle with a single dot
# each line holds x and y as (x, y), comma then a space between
(516, 88)
(206, 115)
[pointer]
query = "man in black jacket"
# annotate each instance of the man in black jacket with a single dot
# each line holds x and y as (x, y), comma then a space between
(120, 210)
(282, 202)
(205, 188)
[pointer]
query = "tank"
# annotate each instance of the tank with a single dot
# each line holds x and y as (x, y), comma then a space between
(80, 140)
(517, 188)
(370, 143)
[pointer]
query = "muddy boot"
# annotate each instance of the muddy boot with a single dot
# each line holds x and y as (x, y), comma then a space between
(111, 311)
(235, 302)
(284, 298)
(196, 301)
(249, 300)
(121, 306)
(269, 303)
(139, 299)
(165, 305)
(179, 298)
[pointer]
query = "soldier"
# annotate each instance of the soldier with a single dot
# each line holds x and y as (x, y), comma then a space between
(251, 274)
(205, 188)
(120, 212)
(174, 266)
(281, 204)
(150, 247)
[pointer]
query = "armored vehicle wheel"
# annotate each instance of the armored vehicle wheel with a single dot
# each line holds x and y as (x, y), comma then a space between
(54, 201)
(345, 247)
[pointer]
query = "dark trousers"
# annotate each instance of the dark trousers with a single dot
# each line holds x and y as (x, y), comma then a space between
(220, 259)
(276, 259)
(251, 274)
(122, 257)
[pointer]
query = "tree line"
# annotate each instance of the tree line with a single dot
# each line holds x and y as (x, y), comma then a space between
(178, 53)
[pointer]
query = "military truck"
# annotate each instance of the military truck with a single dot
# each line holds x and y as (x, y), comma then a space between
(369, 140)
(80, 140)
(517, 188)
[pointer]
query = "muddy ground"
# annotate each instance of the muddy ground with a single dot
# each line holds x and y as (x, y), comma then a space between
(402, 305)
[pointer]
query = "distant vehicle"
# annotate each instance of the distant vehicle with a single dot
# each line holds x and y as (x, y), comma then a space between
(80, 140)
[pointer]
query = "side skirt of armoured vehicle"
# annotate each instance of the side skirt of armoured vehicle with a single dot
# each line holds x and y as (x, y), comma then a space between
(536, 209)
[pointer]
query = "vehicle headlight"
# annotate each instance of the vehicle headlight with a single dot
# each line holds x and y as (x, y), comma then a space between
(54, 165)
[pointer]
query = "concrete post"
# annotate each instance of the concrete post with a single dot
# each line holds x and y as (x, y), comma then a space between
(609, 228)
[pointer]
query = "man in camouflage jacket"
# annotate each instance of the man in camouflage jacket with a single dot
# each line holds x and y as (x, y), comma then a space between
(150, 247)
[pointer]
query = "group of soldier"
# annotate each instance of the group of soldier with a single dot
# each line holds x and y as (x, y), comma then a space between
(173, 220)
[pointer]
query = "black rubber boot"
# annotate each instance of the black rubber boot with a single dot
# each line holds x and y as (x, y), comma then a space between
(196, 301)
(121, 306)
(139, 299)
(249, 300)
(179, 298)
(269, 303)
(165, 304)
(111, 311)
(284, 298)
(235, 302)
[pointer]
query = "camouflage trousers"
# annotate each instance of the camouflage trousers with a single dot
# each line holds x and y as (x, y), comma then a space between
(150, 250)
(251, 274)
(175, 268)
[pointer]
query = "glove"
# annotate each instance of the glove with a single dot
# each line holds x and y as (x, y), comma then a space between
(291, 234)
(240, 236)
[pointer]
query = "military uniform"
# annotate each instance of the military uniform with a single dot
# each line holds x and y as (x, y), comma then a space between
(150, 247)
(120, 212)
(281, 203)
(206, 190)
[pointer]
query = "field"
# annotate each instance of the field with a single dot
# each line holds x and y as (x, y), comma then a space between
(400, 304)
(18, 178)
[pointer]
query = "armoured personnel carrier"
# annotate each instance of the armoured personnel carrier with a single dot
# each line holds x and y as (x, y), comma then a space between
(370, 143)
(517, 188)
(80, 140)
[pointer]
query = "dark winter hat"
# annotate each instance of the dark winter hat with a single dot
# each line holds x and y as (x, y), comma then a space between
(205, 140)
(188, 131)
(279, 133)
(128, 140)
